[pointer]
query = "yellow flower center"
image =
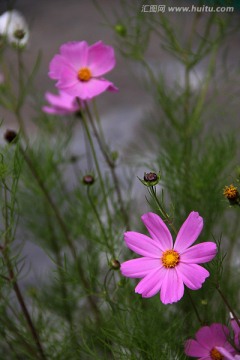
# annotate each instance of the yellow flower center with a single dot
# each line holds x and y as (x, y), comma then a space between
(216, 355)
(230, 192)
(170, 258)
(84, 74)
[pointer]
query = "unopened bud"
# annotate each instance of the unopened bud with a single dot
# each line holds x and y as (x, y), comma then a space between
(88, 179)
(150, 179)
(10, 136)
(121, 30)
(114, 155)
(114, 264)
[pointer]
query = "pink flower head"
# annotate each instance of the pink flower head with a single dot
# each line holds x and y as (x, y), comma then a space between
(167, 267)
(61, 104)
(208, 340)
(79, 69)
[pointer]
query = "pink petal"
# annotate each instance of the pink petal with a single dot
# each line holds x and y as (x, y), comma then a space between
(220, 334)
(112, 88)
(87, 90)
(62, 100)
(193, 275)
(151, 284)
(138, 268)
(172, 287)
(227, 355)
(75, 53)
(199, 253)
(204, 338)
(236, 330)
(56, 66)
(158, 230)
(142, 245)
(68, 78)
(194, 349)
(54, 111)
(101, 59)
(189, 231)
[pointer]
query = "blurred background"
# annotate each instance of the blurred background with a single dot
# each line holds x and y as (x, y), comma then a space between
(54, 22)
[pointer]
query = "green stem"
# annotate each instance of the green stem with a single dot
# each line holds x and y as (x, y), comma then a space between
(152, 191)
(98, 171)
(16, 287)
(194, 307)
(228, 305)
(96, 214)
(64, 230)
(110, 163)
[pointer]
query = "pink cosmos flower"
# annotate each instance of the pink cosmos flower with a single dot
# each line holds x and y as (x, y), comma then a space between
(167, 267)
(208, 340)
(61, 104)
(79, 69)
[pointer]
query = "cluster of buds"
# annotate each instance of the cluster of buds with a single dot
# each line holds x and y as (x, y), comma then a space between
(231, 193)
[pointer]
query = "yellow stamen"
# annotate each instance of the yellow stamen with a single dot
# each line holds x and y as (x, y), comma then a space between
(170, 258)
(84, 74)
(216, 355)
(230, 192)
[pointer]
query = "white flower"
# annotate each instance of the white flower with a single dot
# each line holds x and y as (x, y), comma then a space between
(14, 27)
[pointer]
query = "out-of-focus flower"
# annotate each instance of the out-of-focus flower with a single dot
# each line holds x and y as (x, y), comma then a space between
(167, 267)
(79, 69)
(61, 104)
(13, 25)
(208, 340)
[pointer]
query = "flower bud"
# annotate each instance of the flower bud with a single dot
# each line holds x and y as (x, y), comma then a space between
(114, 155)
(121, 30)
(114, 264)
(88, 179)
(150, 179)
(10, 136)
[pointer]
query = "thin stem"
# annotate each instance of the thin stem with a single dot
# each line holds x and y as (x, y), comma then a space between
(110, 163)
(98, 171)
(194, 307)
(152, 191)
(64, 290)
(20, 90)
(16, 287)
(228, 305)
(63, 228)
(96, 214)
